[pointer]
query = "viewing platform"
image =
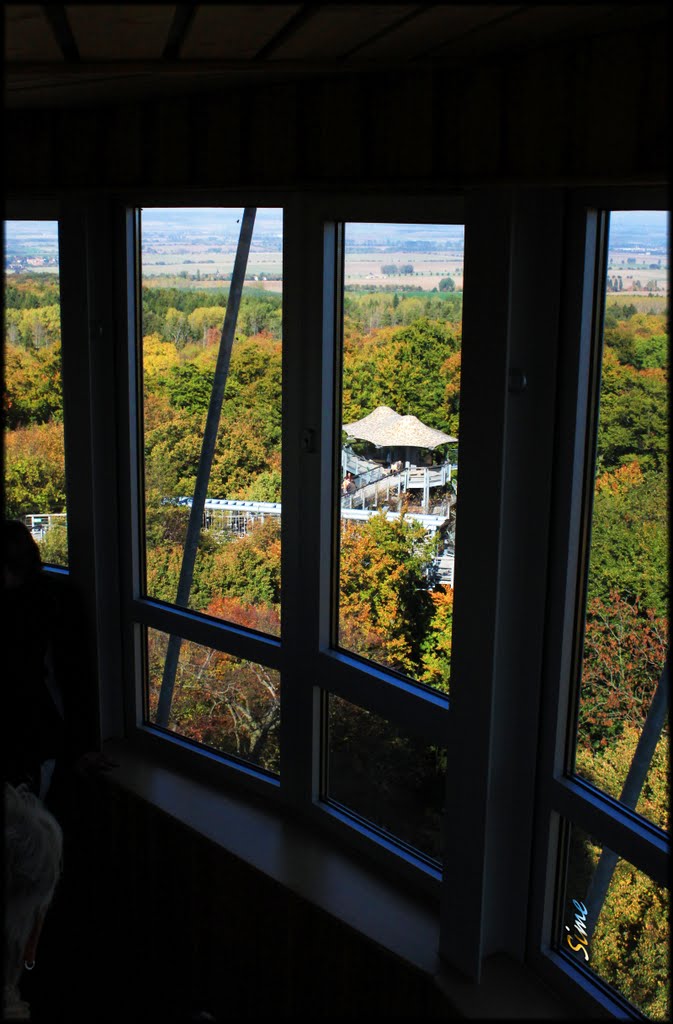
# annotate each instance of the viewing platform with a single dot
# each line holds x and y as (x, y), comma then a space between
(239, 516)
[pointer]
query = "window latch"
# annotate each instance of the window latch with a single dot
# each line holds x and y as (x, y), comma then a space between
(308, 440)
(517, 381)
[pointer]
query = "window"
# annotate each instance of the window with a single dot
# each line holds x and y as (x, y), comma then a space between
(209, 308)
(35, 472)
(609, 803)
(400, 394)
(387, 583)
(625, 621)
(215, 386)
(417, 659)
(384, 775)
(619, 927)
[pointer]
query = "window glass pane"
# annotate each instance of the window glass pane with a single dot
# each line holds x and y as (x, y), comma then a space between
(220, 701)
(187, 263)
(623, 732)
(33, 400)
(400, 421)
(616, 923)
(385, 775)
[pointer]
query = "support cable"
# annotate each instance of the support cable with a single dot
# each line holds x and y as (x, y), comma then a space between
(206, 458)
(640, 765)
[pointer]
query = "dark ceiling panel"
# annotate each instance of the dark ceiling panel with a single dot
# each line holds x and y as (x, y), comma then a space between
(234, 31)
(335, 30)
(117, 53)
(28, 36)
(436, 25)
(87, 89)
(528, 26)
(120, 31)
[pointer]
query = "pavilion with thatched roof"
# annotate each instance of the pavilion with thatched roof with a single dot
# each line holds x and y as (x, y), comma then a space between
(402, 436)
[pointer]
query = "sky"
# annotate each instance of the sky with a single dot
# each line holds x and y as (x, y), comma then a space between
(633, 227)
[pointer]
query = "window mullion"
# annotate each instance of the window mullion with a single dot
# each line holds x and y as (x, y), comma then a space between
(478, 541)
(95, 252)
(637, 841)
(302, 370)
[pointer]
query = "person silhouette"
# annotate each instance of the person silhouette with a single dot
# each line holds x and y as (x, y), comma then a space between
(50, 719)
(33, 853)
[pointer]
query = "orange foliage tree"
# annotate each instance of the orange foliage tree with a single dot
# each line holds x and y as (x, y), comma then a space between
(385, 608)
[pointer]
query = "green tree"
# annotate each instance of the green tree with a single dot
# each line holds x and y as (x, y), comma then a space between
(172, 452)
(629, 539)
(607, 767)
(629, 948)
(205, 318)
(248, 568)
(639, 340)
(176, 327)
(265, 487)
(33, 392)
(35, 327)
(240, 456)
(34, 470)
(410, 374)
(385, 608)
(189, 388)
(633, 421)
(30, 291)
(624, 654)
(54, 544)
(436, 645)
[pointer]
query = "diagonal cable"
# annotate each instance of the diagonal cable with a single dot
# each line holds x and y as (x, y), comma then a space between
(206, 459)
(635, 779)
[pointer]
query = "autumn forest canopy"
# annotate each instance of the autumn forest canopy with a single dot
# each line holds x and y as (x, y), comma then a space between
(400, 350)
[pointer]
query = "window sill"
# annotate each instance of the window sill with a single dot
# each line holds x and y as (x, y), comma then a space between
(316, 871)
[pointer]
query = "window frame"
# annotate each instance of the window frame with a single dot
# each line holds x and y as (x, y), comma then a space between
(141, 613)
(49, 209)
(368, 685)
(308, 297)
(506, 686)
(564, 799)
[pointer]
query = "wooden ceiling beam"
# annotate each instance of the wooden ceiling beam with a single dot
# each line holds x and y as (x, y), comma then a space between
(177, 33)
(60, 26)
(290, 28)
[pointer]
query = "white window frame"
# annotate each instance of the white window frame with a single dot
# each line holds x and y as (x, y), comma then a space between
(303, 653)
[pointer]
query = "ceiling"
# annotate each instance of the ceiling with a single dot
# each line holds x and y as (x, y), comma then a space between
(81, 54)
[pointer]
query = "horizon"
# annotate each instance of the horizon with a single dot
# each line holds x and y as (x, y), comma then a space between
(636, 229)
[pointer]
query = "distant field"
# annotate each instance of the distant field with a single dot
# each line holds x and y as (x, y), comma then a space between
(162, 269)
(636, 277)
(644, 303)
(429, 268)
(365, 268)
(168, 265)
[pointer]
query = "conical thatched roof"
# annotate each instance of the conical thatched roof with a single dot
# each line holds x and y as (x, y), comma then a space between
(386, 428)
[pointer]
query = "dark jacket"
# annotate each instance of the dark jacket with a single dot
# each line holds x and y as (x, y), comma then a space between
(49, 705)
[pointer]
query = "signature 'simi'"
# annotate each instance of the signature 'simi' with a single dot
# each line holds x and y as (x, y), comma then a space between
(578, 940)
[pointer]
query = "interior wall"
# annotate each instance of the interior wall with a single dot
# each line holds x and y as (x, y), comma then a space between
(591, 111)
(188, 925)
(180, 919)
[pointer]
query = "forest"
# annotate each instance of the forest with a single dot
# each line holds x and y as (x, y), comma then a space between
(388, 612)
